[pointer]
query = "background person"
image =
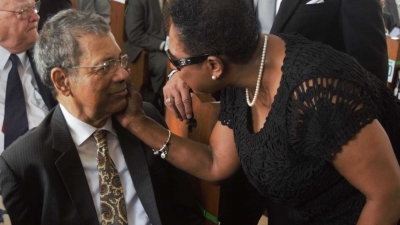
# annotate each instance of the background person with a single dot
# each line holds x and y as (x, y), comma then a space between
(145, 31)
(24, 100)
(101, 7)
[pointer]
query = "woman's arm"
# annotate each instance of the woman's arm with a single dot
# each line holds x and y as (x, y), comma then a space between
(213, 163)
(369, 164)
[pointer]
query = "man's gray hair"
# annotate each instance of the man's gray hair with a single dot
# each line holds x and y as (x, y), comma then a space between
(58, 46)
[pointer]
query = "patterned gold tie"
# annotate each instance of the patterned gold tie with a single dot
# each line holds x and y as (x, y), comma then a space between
(112, 201)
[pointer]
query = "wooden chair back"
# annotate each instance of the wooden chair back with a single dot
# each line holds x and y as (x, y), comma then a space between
(393, 48)
(205, 113)
(73, 2)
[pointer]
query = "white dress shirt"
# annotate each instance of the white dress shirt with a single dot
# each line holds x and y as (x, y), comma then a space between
(87, 149)
(36, 109)
(266, 15)
(278, 4)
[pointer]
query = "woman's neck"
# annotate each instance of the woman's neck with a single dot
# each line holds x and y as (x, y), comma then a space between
(246, 75)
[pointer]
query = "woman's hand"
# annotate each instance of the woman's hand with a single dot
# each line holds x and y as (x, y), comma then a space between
(177, 98)
(133, 111)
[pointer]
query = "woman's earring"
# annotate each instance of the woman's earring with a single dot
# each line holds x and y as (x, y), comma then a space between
(213, 77)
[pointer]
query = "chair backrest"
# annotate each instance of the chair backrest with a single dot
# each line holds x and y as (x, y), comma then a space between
(205, 115)
(393, 48)
(73, 4)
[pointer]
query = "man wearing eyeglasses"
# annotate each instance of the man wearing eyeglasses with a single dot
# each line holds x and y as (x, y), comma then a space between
(24, 100)
(80, 166)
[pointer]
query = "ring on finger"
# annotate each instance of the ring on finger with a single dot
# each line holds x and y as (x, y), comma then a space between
(169, 100)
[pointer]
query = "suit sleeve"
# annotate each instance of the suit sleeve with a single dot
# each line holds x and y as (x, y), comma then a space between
(135, 27)
(12, 195)
(364, 35)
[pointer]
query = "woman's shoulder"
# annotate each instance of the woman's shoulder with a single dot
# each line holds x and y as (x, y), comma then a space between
(306, 59)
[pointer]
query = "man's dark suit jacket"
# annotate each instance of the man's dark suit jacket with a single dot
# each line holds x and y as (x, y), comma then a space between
(43, 180)
(143, 26)
(351, 26)
(43, 90)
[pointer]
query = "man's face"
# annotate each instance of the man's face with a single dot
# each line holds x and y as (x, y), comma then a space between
(97, 95)
(17, 34)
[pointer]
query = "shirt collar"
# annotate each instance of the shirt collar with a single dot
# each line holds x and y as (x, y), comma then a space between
(81, 131)
(5, 55)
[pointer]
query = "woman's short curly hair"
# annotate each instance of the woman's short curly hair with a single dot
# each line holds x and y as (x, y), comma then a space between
(216, 27)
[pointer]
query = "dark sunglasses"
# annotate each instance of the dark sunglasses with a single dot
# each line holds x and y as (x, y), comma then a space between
(179, 63)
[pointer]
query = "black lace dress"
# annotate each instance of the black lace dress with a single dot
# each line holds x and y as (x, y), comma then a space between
(325, 97)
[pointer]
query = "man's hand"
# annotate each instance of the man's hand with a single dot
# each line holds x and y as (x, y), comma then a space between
(134, 107)
(177, 98)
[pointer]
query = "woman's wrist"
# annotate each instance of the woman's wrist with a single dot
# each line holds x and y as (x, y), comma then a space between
(136, 123)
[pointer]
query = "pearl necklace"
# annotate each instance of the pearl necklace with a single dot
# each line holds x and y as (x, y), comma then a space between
(260, 73)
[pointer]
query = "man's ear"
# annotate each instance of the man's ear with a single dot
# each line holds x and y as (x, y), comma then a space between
(216, 65)
(61, 81)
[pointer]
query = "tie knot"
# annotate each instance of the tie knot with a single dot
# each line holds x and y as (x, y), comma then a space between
(101, 138)
(14, 59)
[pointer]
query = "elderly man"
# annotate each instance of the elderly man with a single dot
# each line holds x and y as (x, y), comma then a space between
(24, 100)
(51, 175)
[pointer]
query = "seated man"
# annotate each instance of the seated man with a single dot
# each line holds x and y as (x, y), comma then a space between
(51, 175)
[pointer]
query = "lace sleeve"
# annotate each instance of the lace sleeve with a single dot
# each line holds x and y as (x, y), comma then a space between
(325, 113)
(229, 106)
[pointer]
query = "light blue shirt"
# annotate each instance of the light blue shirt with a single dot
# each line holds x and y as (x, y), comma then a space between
(36, 108)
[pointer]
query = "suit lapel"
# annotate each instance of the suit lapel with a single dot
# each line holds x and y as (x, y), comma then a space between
(285, 11)
(71, 170)
(43, 90)
(133, 151)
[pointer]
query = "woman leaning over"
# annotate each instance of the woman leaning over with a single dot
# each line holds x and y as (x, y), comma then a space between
(312, 129)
